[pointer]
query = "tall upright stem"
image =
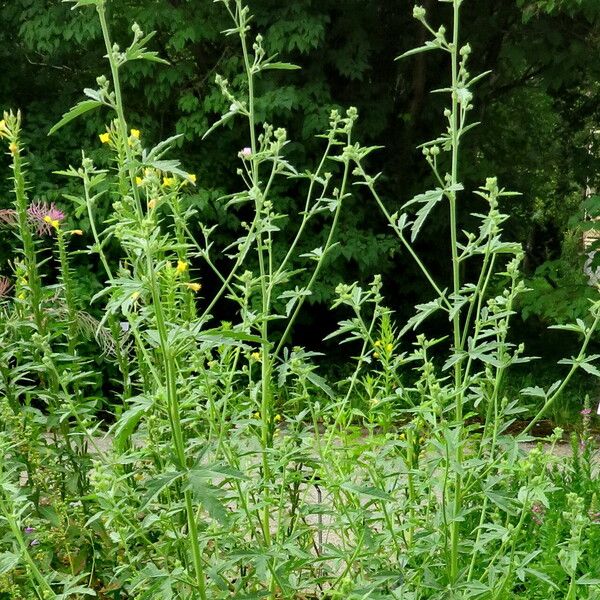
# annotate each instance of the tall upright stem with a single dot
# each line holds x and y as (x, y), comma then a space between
(173, 409)
(455, 529)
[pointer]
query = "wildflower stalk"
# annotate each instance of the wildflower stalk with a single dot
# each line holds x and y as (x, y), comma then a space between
(68, 288)
(589, 332)
(265, 405)
(25, 232)
(326, 247)
(121, 119)
(456, 319)
(173, 408)
(39, 578)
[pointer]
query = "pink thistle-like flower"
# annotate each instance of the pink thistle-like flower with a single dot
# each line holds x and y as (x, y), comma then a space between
(246, 152)
(538, 511)
(29, 530)
(43, 216)
(586, 412)
(8, 216)
(5, 286)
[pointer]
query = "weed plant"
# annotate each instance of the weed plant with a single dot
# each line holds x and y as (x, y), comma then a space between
(231, 468)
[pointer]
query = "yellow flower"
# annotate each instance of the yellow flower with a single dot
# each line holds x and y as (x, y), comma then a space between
(377, 344)
(277, 418)
(139, 181)
(53, 222)
(135, 133)
(76, 232)
(192, 178)
(255, 356)
(21, 296)
(3, 129)
(104, 137)
(375, 354)
(195, 287)
(389, 347)
(151, 203)
(256, 415)
(169, 181)
(13, 148)
(181, 266)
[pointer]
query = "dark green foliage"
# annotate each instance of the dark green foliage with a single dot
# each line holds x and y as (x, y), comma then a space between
(539, 108)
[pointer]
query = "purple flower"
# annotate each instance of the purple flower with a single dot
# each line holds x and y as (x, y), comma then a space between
(538, 511)
(29, 530)
(45, 217)
(586, 412)
(34, 542)
(8, 216)
(5, 286)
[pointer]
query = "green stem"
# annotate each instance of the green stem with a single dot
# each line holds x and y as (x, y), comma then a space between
(576, 364)
(455, 527)
(170, 373)
(121, 120)
(26, 234)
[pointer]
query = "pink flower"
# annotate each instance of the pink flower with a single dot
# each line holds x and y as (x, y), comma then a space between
(246, 152)
(538, 511)
(43, 216)
(5, 286)
(586, 412)
(8, 216)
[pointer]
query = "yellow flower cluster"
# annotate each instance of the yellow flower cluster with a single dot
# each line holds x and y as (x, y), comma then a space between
(181, 266)
(388, 348)
(194, 287)
(4, 132)
(53, 222)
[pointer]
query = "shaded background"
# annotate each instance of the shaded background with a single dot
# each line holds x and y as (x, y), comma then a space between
(539, 110)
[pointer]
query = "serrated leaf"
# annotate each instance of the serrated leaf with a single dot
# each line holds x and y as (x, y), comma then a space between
(429, 199)
(370, 492)
(8, 561)
(78, 3)
(129, 420)
(279, 66)
(155, 486)
(428, 47)
(78, 110)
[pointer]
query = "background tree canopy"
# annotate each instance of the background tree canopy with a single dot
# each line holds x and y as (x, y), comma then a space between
(539, 109)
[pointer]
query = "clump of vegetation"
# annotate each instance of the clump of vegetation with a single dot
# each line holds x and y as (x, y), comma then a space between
(231, 468)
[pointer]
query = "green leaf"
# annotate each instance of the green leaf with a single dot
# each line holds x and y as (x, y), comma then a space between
(279, 66)
(429, 200)
(587, 580)
(8, 561)
(426, 48)
(76, 111)
(130, 418)
(222, 336)
(78, 3)
(220, 122)
(155, 486)
(370, 492)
